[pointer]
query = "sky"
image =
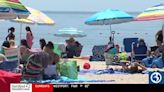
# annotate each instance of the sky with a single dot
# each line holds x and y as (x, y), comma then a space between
(91, 5)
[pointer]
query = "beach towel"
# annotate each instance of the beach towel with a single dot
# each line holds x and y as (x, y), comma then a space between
(64, 79)
(106, 71)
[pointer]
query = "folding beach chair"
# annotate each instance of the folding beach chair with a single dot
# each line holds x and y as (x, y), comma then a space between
(127, 42)
(12, 54)
(98, 53)
(138, 52)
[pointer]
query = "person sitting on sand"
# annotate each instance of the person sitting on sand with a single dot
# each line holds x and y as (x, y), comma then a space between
(54, 58)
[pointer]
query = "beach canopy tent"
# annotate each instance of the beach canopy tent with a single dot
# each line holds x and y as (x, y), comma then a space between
(70, 32)
(153, 13)
(109, 17)
(11, 9)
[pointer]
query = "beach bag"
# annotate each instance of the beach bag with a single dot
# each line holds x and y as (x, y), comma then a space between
(68, 69)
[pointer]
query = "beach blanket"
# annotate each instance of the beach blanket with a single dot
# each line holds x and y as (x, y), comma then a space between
(67, 80)
(106, 71)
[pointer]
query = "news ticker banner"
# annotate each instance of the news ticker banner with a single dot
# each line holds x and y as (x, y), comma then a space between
(43, 87)
(154, 78)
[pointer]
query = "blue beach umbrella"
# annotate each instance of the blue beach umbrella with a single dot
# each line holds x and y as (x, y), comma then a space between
(109, 17)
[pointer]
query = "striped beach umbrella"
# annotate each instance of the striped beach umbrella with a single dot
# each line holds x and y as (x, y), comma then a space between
(11, 9)
(36, 17)
(153, 13)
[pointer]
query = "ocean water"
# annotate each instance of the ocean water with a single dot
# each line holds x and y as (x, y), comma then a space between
(96, 35)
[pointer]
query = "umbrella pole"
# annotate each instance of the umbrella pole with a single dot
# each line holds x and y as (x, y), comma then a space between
(112, 34)
(20, 43)
(163, 31)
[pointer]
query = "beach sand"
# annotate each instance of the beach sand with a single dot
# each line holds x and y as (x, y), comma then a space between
(118, 78)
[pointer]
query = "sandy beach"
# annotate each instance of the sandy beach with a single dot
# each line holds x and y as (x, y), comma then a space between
(116, 78)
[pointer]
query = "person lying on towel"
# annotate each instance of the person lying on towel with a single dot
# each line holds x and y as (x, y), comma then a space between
(133, 67)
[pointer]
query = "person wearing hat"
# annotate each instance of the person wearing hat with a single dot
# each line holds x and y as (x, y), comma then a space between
(70, 48)
(11, 35)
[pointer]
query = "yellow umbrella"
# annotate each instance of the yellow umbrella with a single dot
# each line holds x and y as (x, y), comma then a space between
(36, 17)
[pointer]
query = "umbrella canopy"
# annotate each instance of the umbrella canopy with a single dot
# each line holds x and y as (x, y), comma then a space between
(153, 13)
(11, 9)
(70, 32)
(108, 17)
(36, 17)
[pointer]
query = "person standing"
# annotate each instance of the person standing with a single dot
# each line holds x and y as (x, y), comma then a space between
(159, 38)
(11, 35)
(29, 36)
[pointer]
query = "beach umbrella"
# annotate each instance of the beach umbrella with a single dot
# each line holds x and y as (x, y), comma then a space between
(70, 32)
(153, 13)
(11, 9)
(109, 17)
(36, 17)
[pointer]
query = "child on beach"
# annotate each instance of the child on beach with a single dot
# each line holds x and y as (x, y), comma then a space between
(11, 35)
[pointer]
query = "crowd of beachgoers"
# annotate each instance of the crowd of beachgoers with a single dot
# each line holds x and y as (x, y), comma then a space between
(35, 62)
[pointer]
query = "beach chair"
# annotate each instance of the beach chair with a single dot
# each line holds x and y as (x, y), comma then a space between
(138, 52)
(127, 42)
(98, 53)
(13, 59)
(12, 54)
